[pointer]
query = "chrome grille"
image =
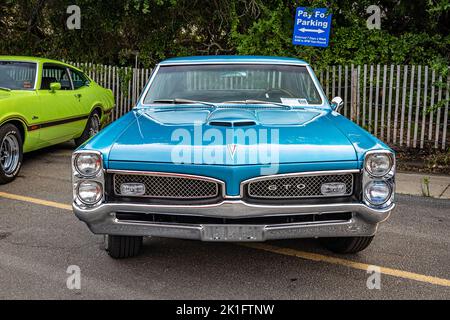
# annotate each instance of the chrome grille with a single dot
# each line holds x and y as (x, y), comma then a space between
(291, 186)
(169, 186)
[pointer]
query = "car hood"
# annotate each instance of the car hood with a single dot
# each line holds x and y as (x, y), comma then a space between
(230, 136)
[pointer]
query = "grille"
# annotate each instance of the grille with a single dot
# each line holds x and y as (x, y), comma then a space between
(166, 186)
(297, 186)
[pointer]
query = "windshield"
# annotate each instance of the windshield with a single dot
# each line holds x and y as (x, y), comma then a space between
(17, 75)
(289, 85)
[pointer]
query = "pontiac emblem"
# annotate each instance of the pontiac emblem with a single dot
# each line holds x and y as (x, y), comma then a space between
(232, 149)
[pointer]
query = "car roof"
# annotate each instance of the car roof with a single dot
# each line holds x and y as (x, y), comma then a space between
(233, 59)
(35, 60)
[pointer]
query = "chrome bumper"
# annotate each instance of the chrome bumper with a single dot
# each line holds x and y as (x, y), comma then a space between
(102, 220)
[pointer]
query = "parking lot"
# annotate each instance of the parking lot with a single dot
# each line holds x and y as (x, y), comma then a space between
(40, 237)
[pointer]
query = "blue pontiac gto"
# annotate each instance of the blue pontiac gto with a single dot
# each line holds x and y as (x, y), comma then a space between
(234, 148)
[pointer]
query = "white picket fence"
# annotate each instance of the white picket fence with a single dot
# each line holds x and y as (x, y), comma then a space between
(392, 102)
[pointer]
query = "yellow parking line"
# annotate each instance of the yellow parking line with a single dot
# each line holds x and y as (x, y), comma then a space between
(348, 263)
(278, 250)
(35, 201)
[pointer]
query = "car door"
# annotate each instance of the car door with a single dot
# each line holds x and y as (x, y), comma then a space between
(60, 110)
(83, 92)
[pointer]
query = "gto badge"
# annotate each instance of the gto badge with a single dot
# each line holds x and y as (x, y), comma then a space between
(274, 187)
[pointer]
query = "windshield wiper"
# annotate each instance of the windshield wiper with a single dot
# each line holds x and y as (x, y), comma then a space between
(6, 89)
(181, 101)
(284, 106)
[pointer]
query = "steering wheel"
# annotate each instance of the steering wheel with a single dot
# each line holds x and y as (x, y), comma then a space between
(285, 91)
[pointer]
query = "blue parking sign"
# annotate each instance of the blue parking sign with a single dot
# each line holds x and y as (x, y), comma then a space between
(312, 27)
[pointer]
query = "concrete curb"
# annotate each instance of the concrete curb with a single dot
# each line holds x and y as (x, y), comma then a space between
(435, 186)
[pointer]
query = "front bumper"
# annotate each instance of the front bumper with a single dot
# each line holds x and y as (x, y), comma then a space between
(364, 222)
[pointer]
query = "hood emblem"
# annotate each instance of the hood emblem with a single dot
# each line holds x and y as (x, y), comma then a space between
(232, 149)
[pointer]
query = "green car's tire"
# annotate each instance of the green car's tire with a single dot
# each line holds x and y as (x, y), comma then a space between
(120, 247)
(11, 153)
(347, 244)
(92, 128)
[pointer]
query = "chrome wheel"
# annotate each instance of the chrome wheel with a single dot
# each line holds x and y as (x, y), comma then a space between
(9, 153)
(94, 126)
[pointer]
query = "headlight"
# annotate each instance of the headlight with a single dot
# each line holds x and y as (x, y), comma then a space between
(377, 192)
(90, 192)
(88, 164)
(378, 164)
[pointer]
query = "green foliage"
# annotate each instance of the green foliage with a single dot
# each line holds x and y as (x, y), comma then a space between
(115, 31)
(426, 187)
(351, 41)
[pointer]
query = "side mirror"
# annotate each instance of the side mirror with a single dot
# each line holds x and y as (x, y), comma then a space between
(55, 86)
(337, 103)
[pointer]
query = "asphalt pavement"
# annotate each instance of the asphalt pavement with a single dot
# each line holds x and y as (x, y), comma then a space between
(40, 238)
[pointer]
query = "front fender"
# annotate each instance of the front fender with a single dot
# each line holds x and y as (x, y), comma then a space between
(30, 137)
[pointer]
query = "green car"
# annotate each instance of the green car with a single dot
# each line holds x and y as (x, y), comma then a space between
(45, 102)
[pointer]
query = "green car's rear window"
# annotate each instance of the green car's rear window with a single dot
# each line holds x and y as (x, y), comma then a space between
(17, 75)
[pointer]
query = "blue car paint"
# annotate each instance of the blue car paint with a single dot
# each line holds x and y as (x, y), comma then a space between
(152, 141)
(361, 140)
(103, 141)
(316, 140)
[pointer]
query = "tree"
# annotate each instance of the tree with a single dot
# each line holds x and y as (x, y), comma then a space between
(115, 31)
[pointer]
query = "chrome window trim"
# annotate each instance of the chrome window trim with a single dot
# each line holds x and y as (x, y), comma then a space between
(296, 174)
(319, 89)
(147, 87)
(168, 174)
(236, 62)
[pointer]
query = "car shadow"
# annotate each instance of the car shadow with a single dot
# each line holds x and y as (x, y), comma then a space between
(65, 147)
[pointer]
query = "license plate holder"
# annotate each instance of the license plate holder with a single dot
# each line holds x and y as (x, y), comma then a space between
(232, 233)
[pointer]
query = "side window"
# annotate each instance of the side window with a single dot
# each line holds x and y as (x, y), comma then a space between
(79, 79)
(52, 73)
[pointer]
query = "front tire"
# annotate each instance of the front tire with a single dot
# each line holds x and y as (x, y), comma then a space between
(120, 247)
(92, 128)
(346, 245)
(11, 153)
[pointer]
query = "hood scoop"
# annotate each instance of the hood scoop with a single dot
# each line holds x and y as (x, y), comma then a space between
(232, 118)
(232, 124)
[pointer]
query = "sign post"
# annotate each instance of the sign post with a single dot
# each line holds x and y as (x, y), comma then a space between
(312, 27)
